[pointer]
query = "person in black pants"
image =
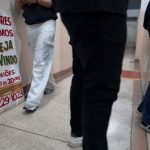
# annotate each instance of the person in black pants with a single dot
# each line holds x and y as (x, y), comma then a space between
(97, 30)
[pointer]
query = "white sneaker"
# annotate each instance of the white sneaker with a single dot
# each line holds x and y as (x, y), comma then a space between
(75, 142)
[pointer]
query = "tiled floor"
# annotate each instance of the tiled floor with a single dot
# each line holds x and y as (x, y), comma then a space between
(128, 61)
(119, 132)
(48, 128)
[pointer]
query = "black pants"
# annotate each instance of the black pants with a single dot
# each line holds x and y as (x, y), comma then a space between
(98, 42)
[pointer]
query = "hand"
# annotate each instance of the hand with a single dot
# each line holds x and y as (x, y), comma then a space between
(20, 3)
(29, 2)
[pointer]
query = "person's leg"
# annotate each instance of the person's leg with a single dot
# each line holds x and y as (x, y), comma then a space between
(50, 85)
(100, 48)
(76, 96)
(42, 61)
(102, 76)
(145, 107)
(76, 102)
(140, 107)
(146, 97)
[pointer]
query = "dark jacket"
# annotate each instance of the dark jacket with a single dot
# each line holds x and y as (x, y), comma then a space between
(34, 14)
(115, 6)
(147, 18)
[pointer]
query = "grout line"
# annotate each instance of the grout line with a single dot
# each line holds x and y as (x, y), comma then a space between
(55, 139)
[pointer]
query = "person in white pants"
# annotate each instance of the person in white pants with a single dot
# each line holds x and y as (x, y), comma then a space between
(41, 25)
(41, 37)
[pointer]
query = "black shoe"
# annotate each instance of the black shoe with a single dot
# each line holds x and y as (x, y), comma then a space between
(48, 91)
(28, 111)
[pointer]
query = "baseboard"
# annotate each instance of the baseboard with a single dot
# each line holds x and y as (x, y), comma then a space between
(62, 74)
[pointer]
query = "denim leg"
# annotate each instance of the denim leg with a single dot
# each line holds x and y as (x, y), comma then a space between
(51, 82)
(145, 106)
(140, 107)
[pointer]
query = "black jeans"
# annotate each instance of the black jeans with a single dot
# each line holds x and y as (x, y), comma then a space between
(98, 42)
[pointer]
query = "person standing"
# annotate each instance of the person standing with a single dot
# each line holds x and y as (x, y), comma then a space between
(40, 18)
(144, 107)
(97, 30)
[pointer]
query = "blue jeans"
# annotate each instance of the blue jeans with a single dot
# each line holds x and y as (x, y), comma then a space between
(144, 107)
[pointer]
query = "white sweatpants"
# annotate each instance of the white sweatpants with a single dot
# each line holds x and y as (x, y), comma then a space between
(41, 39)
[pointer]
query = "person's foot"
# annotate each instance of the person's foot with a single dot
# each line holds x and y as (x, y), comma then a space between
(75, 141)
(29, 111)
(145, 126)
(48, 91)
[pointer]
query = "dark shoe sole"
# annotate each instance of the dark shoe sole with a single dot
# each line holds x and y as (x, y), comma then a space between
(27, 111)
(49, 92)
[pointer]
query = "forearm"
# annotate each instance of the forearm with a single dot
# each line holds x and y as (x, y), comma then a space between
(45, 3)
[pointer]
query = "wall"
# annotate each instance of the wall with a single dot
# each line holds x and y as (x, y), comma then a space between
(142, 47)
(63, 53)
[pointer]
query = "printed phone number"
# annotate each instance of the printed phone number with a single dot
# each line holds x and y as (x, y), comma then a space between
(11, 98)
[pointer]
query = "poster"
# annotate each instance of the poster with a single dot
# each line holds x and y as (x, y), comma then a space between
(11, 92)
